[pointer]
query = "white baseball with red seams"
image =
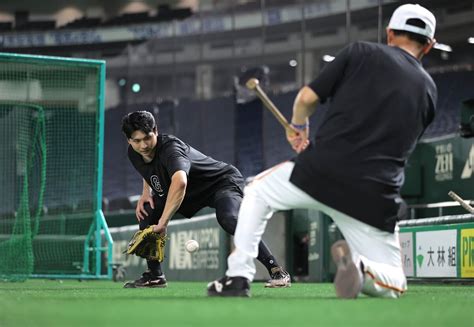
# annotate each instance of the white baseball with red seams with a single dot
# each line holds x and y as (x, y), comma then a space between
(191, 246)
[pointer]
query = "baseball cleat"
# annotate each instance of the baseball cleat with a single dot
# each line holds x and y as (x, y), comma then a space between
(348, 280)
(147, 280)
(229, 286)
(280, 278)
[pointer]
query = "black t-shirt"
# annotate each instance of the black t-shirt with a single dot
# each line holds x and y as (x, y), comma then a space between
(381, 101)
(205, 175)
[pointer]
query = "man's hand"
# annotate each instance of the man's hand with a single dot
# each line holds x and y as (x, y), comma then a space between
(160, 228)
(298, 138)
(140, 211)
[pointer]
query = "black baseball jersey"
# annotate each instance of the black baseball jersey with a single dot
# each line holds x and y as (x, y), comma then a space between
(205, 175)
(381, 101)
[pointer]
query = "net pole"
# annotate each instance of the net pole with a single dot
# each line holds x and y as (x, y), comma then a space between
(100, 222)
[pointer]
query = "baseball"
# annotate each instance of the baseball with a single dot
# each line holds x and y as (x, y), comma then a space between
(191, 246)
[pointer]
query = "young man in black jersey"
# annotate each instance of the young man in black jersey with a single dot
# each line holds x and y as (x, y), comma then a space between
(381, 102)
(179, 178)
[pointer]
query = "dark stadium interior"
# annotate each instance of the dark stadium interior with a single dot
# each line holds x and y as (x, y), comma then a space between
(188, 79)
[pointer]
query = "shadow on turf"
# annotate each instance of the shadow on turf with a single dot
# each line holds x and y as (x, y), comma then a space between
(260, 294)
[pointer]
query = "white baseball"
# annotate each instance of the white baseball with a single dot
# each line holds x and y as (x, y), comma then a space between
(191, 246)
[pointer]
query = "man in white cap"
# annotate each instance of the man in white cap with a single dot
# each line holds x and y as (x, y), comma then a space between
(382, 100)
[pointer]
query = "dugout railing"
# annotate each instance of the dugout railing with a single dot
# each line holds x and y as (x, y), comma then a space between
(439, 207)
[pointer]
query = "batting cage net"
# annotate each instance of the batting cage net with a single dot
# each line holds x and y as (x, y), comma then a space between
(51, 123)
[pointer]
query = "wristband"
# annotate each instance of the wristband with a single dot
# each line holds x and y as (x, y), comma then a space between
(300, 127)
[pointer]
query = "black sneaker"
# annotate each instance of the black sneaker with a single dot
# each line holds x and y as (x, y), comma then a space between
(229, 286)
(147, 280)
(280, 278)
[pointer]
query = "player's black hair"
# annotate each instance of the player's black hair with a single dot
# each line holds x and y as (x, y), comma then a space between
(138, 121)
(421, 39)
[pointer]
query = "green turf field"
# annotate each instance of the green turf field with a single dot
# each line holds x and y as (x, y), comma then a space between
(102, 303)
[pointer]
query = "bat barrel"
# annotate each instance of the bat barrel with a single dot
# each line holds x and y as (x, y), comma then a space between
(252, 83)
(461, 202)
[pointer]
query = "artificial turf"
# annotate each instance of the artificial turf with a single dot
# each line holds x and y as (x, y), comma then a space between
(103, 303)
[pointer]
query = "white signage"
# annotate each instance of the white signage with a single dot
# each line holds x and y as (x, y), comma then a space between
(436, 254)
(207, 257)
(444, 162)
(467, 170)
(406, 245)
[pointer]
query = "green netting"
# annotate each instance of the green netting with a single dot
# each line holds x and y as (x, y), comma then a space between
(23, 162)
(50, 122)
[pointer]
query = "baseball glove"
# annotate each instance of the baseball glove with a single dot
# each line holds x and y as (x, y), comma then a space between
(147, 244)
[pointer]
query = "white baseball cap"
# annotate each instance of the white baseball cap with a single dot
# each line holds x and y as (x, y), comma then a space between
(410, 11)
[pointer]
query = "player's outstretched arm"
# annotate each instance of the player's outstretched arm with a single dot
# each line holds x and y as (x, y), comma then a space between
(175, 197)
(303, 107)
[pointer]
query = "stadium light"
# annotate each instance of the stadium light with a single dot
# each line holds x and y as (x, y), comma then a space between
(293, 63)
(470, 40)
(328, 58)
(136, 87)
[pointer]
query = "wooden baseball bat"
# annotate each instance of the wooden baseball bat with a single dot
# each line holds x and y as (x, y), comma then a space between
(253, 84)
